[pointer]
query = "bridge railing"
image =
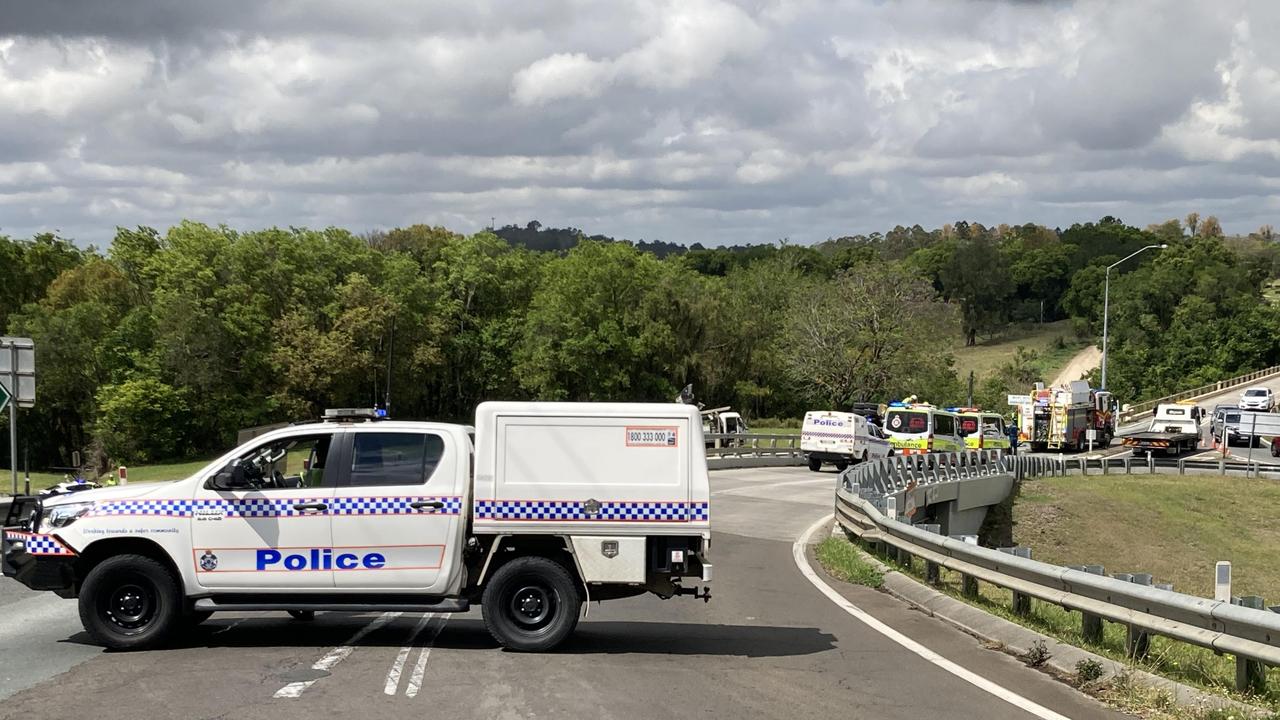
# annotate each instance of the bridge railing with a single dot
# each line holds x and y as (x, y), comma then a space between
(1138, 411)
(738, 450)
(1241, 627)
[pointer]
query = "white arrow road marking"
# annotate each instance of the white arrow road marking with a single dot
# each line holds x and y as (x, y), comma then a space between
(335, 656)
(802, 564)
(420, 668)
(397, 667)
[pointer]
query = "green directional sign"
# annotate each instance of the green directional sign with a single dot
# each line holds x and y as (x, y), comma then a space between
(4, 397)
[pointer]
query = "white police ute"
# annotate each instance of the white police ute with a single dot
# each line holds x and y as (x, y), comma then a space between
(554, 504)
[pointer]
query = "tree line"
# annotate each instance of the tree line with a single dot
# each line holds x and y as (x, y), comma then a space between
(166, 343)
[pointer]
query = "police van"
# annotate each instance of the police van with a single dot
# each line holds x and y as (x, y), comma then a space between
(982, 430)
(554, 505)
(916, 428)
(840, 438)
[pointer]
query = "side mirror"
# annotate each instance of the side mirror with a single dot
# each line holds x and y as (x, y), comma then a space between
(230, 477)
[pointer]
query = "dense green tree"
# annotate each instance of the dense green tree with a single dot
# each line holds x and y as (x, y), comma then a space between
(870, 335)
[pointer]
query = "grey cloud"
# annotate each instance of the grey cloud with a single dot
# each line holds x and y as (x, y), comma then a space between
(826, 118)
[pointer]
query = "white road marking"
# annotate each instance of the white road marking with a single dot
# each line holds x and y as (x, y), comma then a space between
(745, 489)
(393, 675)
(797, 553)
(335, 656)
(420, 668)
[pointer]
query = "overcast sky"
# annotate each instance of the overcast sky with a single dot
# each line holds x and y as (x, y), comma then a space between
(684, 120)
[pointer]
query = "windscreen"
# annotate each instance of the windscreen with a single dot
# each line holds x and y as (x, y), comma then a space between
(908, 422)
(1255, 393)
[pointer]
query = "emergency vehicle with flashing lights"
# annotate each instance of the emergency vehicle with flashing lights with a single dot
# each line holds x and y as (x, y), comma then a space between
(551, 506)
(840, 438)
(1061, 418)
(981, 429)
(916, 428)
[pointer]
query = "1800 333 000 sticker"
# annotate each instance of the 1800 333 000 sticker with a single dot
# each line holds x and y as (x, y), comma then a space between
(653, 436)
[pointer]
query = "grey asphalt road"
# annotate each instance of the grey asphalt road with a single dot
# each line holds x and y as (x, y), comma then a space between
(768, 645)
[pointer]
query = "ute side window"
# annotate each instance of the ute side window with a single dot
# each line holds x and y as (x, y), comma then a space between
(379, 459)
(293, 462)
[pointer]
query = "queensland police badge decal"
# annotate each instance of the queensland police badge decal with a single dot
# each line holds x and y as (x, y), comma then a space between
(208, 561)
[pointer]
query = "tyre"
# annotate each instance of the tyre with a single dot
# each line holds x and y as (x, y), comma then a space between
(815, 464)
(866, 455)
(531, 604)
(841, 465)
(303, 615)
(130, 602)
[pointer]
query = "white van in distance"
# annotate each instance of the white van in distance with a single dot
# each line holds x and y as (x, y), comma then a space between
(840, 438)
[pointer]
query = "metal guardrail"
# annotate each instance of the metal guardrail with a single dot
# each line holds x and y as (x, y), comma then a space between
(734, 450)
(1140, 410)
(863, 509)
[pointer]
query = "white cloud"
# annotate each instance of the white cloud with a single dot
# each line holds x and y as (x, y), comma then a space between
(688, 120)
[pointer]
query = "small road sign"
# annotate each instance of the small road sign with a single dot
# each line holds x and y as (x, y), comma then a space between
(4, 397)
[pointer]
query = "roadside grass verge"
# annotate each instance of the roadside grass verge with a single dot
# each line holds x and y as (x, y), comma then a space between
(844, 561)
(160, 472)
(1173, 526)
(1178, 661)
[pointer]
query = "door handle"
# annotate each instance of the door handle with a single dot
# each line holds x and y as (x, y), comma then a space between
(311, 506)
(420, 504)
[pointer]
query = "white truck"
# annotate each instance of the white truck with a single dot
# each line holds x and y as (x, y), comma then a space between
(554, 504)
(840, 438)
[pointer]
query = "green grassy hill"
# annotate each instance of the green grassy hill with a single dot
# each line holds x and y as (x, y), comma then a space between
(1054, 344)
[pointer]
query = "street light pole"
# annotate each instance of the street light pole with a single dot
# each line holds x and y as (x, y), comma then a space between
(1106, 303)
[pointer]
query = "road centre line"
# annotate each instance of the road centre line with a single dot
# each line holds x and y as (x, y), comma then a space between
(335, 656)
(802, 564)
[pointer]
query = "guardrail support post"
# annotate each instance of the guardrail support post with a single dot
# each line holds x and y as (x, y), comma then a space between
(1251, 675)
(1021, 602)
(932, 570)
(1182, 466)
(1151, 464)
(1091, 625)
(1137, 643)
(1106, 466)
(1128, 466)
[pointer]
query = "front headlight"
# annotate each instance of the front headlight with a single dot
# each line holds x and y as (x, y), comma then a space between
(60, 516)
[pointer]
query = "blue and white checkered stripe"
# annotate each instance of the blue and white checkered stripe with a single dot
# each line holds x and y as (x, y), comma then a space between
(163, 508)
(39, 544)
(820, 434)
(572, 510)
(275, 507)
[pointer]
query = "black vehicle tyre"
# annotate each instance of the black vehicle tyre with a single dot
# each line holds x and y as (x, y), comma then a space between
(841, 465)
(303, 615)
(531, 604)
(815, 464)
(130, 602)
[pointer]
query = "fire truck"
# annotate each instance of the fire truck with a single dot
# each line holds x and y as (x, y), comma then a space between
(1061, 418)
